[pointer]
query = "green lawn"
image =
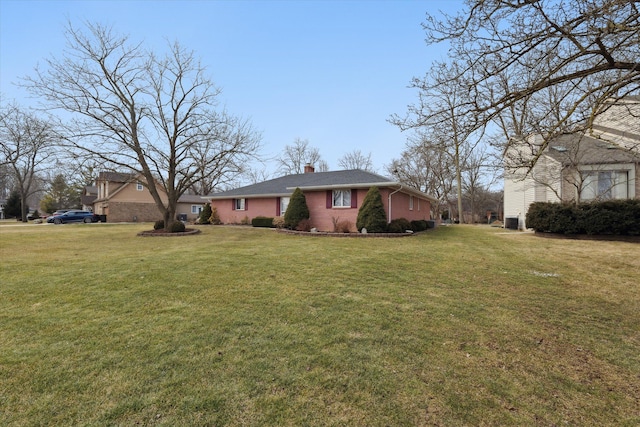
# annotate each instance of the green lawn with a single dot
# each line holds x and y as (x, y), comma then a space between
(240, 326)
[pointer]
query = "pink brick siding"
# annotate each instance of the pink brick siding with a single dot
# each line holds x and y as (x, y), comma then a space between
(253, 208)
(322, 218)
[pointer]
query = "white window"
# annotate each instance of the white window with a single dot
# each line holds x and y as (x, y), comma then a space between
(410, 203)
(284, 204)
(604, 185)
(196, 209)
(341, 198)
(239, 204)
(139, 186)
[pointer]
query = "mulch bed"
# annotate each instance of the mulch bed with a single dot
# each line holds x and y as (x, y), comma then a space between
(603, 237)
(354, 235)
(164, 233)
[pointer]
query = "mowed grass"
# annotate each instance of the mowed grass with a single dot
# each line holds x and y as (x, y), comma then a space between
(462, 325)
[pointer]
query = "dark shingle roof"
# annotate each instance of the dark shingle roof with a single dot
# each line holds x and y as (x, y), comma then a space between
(191, 198)
(580, 149)
(115, 176)
(89, 195)
(285, 185)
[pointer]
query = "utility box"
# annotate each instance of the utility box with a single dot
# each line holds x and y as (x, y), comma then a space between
(511, 223)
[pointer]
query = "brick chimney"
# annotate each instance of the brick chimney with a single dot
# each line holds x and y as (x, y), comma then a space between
(308, 168)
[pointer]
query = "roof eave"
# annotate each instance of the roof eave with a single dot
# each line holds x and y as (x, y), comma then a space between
(245, 196)
(383, 184)
(352, 185)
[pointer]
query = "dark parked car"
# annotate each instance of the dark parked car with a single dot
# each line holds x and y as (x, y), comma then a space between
(74, 216)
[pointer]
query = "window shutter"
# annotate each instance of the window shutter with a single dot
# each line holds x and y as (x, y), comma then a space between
(354, 198)
(329, 199)
(233, 204)
(246, 204)
(278, 206)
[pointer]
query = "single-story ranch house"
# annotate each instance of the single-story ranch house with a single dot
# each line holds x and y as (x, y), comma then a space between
(330, 196)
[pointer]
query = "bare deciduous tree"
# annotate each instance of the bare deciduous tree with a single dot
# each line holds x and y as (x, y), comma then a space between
(425, 166)
(586, 51)
(478, 176)
(356, 160)
(155, 116)
(442, 112)
(26, 143)
(297, 155)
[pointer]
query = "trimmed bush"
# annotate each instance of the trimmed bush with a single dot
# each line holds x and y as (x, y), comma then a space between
(621, 217)
(177, 227)
(205, 214)
(398, 225)
(159, 224)
(371, 214)
(297, 210)
(419, 225)
(262, 221)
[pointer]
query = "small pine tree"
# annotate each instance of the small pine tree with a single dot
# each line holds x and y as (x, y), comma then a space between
(12, 207)
(297, 210)
(205, 214)
(371, 214)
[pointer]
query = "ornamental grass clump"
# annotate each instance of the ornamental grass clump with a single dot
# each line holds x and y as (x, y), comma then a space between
(215, 217)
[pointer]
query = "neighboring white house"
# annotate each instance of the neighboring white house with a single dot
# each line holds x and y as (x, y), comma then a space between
(601, 164)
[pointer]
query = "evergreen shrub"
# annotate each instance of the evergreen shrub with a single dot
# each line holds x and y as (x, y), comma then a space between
(262, 221)
(620, 217)
(177, 227)
(371, 214)
(419, 225)
(297, 210)
(399, 225)
(12, 206)
(159, 224)
(205, 214)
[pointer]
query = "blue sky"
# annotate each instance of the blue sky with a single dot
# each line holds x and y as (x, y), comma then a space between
(328, 71)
